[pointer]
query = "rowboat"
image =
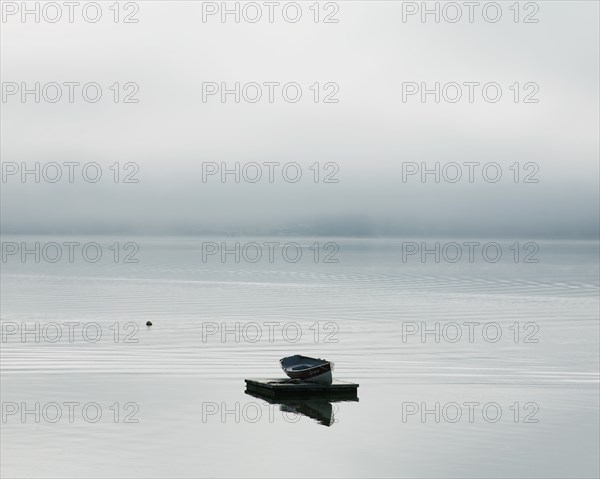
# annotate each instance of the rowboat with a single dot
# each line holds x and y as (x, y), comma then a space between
(307, 369)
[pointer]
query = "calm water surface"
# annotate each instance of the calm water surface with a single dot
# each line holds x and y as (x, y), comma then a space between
(506, 386)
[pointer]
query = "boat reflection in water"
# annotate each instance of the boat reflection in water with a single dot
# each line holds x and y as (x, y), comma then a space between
(320, 409)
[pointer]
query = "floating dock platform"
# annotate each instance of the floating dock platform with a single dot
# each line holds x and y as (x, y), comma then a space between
(293, 388)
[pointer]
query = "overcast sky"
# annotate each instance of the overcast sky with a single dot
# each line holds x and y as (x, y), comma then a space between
(369, 133)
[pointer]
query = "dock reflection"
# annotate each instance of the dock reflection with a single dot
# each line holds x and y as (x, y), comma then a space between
(320, 409)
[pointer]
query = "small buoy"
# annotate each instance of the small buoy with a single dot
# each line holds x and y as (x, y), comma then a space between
(148, 323)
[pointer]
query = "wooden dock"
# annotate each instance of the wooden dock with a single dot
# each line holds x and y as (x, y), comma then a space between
(293, 388)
